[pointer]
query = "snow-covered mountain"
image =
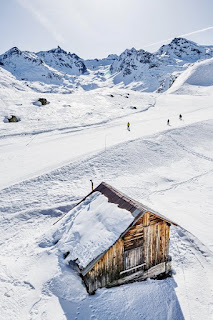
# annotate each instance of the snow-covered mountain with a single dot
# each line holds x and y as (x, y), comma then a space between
(62, 61)
(134, 69)
(141, 70)
(156, 72)
(184, 50)
(25, 65)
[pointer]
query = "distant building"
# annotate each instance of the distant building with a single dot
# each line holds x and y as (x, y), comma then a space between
(115, 240)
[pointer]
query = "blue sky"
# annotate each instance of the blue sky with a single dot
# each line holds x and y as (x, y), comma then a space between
(96, 28)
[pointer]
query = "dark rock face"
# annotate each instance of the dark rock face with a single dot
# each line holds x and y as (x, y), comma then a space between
(81, 66)
(43, 101)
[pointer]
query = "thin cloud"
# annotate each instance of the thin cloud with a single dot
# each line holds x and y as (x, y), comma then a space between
(43, 20)
(182, 35)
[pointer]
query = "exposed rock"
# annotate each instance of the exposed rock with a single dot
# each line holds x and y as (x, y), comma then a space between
(13, 119)
(43, 101)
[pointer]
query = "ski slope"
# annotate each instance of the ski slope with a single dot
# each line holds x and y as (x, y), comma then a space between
(50, 136)
(45, 168)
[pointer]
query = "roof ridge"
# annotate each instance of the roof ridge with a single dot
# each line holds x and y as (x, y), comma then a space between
(138, 205)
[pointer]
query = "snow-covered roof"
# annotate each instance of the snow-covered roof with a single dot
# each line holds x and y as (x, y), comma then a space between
(96, 223)
(96, 227)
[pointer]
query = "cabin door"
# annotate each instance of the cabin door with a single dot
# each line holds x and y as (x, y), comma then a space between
(133, 258)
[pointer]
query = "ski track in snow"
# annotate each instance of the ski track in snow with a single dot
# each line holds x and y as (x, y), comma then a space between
(146, 164)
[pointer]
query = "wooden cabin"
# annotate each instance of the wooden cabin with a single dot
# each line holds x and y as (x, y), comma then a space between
(138, 252)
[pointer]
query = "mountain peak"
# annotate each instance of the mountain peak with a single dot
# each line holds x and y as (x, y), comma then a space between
(13, 51)
(57, 50)
(184, 49)
(181, 41)
(130, 51)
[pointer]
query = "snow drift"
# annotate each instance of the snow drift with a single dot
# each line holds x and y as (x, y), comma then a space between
(198, 75)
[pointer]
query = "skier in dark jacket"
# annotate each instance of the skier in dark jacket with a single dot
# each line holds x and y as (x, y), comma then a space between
(168, 122)
(180, 116)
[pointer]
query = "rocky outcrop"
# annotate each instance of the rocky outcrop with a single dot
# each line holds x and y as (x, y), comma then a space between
(12, 118)
(43, 101)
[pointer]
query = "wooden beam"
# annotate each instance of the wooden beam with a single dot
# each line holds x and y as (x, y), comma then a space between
(133, 268)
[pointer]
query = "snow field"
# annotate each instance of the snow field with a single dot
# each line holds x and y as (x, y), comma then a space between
(45, 168)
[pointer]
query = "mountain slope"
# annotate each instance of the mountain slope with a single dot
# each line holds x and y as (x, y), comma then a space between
(8, 81)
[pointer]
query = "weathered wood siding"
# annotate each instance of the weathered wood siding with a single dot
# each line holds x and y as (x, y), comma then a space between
(133, 247)
(107, 269)
(156, 240)
(147, 242)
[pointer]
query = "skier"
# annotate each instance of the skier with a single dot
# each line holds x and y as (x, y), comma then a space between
(128, 126)
(180, 116)
(92, 184)
(168, 122)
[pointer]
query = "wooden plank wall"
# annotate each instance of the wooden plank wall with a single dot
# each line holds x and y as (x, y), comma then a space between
(107, 269)
(134, 237)
(156, 240)
(133, 246)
